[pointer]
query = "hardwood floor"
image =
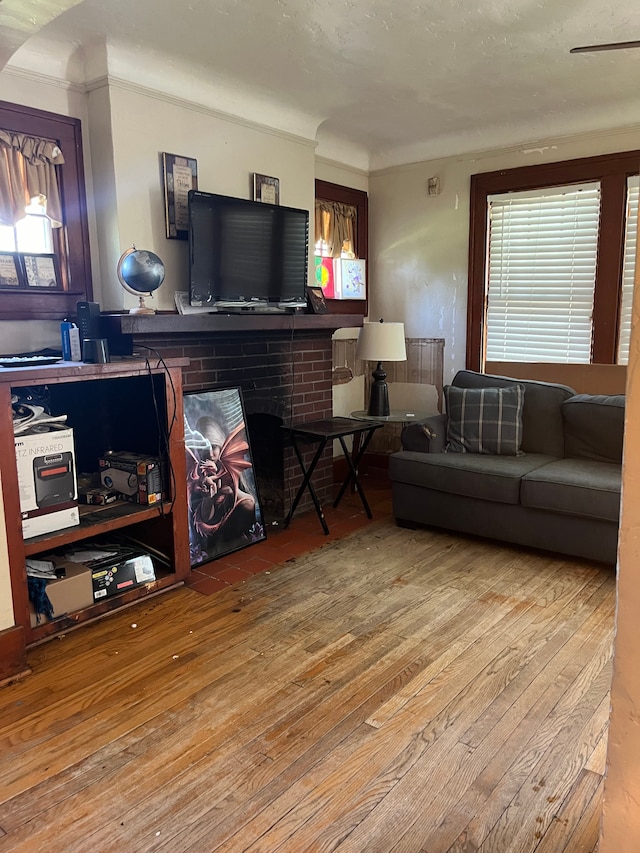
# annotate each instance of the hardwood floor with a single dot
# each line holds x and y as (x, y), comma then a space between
(404, 691)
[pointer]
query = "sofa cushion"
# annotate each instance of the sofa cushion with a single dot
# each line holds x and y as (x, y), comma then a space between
(484, 420)
(476, 475)
(594, 426)
(582, 487)
(542, 425)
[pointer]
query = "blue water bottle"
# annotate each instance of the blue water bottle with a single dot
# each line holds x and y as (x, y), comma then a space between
(70, 334)
(65, 329)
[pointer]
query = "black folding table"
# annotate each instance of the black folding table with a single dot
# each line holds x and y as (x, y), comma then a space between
(323, 432)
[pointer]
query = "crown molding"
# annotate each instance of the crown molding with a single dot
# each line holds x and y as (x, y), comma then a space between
(530, 147)
(42, 79)
(109, 81)
(339, 164)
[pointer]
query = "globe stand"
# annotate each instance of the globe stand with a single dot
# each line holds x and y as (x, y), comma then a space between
(142, 308)
(141, 273)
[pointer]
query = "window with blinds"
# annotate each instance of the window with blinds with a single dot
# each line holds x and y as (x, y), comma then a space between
(629, 268)
(541, 269)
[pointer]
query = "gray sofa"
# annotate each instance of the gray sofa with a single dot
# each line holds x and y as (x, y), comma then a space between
(560, 492)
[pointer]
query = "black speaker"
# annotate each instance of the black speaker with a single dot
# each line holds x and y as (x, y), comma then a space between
(88, 316)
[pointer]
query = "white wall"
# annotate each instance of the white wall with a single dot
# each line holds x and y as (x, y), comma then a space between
(337, 173)
(228, 152)
(418, 244)
(125, 130)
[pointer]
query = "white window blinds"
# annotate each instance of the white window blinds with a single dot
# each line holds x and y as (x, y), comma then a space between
(541, 274)
(629, 268)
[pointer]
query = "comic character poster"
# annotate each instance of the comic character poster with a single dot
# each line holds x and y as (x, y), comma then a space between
(224, 509)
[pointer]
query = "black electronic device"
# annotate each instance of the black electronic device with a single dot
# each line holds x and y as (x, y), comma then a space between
(245, 252)
(54, 479)
(88, 317)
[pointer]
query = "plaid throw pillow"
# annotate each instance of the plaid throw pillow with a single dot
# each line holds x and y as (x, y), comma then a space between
(484, 420)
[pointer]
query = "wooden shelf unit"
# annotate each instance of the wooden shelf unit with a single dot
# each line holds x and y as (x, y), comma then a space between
(110, 406)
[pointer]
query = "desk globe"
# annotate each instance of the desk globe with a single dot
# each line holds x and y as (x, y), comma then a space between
(140, 272)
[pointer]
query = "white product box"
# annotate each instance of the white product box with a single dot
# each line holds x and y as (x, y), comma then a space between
(47, 481)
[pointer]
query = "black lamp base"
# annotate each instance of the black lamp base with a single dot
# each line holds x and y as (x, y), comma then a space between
(379, 399)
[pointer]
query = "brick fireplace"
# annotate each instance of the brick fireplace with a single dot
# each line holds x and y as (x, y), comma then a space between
(283, 366)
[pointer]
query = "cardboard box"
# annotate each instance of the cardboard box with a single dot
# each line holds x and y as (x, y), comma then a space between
(47, 480)
(100, 496)
(119, 576)
(91, 490)
(113, 566)
(67, 594)
(134, 476)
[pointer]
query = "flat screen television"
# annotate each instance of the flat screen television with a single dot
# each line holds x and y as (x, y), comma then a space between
(246, 253)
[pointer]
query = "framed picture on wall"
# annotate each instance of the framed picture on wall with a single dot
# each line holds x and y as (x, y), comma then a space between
(41, 271)
(266, 189)
(179, 174)
(223, 504)
(10, 270)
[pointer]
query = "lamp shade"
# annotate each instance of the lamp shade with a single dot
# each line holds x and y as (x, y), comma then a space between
(381, 342)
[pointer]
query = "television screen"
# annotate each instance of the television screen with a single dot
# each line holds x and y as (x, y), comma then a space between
(246, 251)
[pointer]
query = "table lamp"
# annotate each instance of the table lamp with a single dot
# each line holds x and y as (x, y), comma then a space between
(381, 342)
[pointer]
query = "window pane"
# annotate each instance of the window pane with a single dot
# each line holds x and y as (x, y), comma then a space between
(33, 233)
(541, 274)
(629, 269)
(7, 239)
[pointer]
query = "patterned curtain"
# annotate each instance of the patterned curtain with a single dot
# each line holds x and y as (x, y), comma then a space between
(334, 224)
(28, 170)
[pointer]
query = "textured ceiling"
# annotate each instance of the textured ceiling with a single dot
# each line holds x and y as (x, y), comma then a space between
(401, 80)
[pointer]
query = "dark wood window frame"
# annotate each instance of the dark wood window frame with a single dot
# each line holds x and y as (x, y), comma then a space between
(72, 240)
(612, 170)
(359, 200)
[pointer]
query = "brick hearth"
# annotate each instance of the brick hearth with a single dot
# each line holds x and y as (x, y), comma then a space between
(280, 373)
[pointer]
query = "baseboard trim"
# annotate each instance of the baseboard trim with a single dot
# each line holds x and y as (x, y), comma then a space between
(13, 655)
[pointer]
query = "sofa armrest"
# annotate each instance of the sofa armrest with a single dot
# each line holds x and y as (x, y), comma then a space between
(427, 436)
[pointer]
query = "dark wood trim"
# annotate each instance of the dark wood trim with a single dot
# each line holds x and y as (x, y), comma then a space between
(609, 268)
(18, 548)
(612, 170)
(76, 278)
(78, 371)
(12, 516)
(13, 654)
(561, 172)
(360, 200)
(39, 305)
(476, 282)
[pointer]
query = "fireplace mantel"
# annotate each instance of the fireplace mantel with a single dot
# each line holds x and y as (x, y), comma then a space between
(178, 324)
(281, 362)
